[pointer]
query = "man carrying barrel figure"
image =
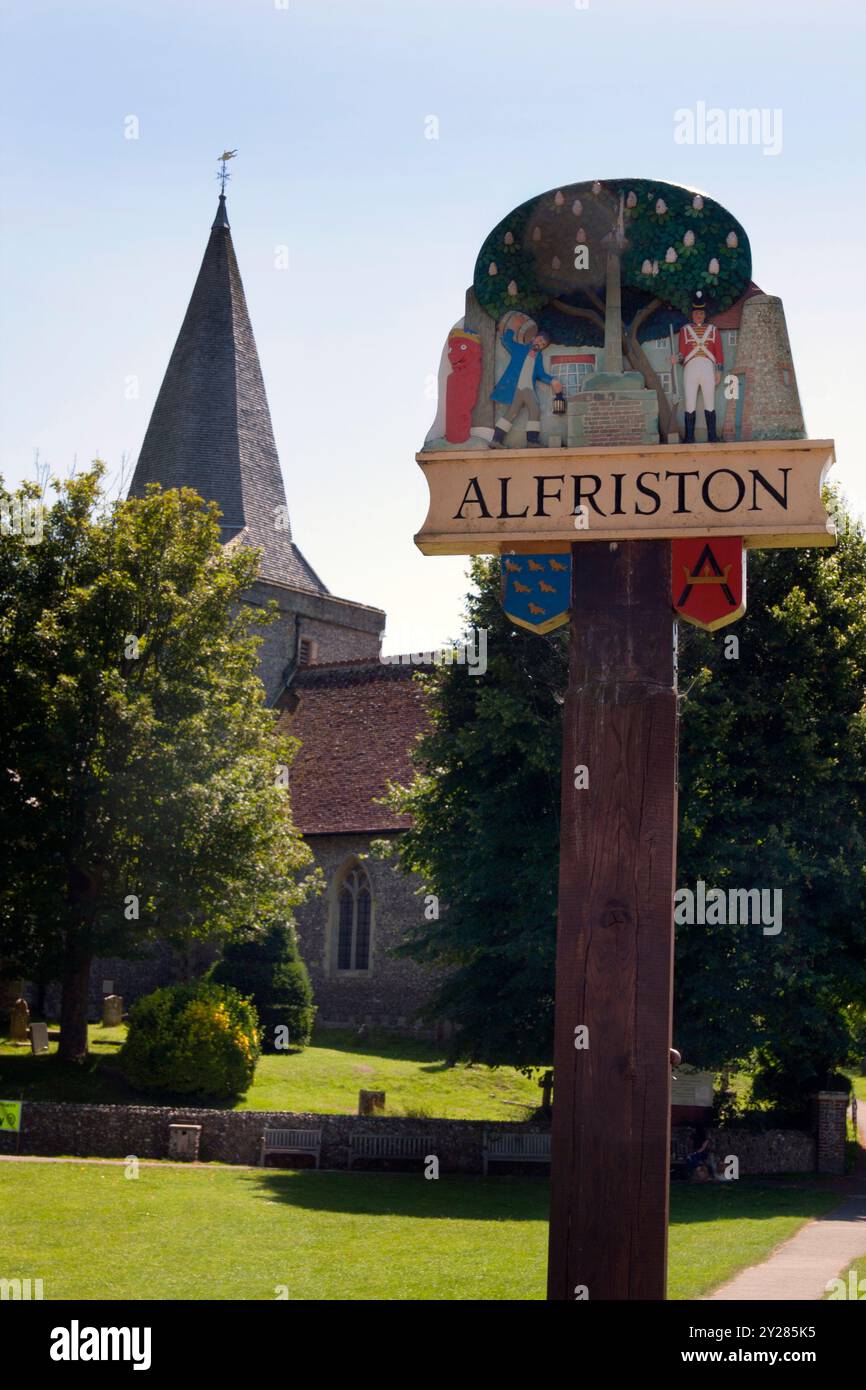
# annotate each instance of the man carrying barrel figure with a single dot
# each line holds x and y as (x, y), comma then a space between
(515, 389)
(700, 352)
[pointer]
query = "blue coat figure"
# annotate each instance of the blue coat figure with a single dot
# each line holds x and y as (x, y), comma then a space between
(515, 389)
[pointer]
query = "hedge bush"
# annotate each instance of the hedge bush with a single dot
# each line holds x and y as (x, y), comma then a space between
(268, 968)
(200, 1038)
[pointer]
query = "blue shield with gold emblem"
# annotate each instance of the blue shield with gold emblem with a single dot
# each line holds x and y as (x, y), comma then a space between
(536, 590)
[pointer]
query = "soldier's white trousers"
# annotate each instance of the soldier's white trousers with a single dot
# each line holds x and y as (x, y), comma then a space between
(700, 375)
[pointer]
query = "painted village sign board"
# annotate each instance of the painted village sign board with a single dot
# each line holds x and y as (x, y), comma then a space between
(767, 492)
(617, 375)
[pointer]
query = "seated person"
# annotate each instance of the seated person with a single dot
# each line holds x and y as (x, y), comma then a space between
(702, 1155)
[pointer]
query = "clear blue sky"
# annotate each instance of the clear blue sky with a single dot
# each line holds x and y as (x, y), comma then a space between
(326, 103)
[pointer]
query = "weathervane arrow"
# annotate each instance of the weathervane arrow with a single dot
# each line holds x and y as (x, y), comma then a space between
(223, 174)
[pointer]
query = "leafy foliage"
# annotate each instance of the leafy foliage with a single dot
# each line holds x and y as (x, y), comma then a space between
(773, 776)
(772, 794)
(197, 1038)
(139, 798)
(485, 835)
(533, 250)
(267, 966)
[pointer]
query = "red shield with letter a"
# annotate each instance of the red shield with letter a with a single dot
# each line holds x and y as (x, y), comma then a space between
(708, 580)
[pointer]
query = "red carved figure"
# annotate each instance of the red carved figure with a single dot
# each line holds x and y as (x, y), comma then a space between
(461, 388)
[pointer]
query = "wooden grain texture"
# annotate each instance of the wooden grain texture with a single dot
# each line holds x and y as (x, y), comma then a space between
(611, 1102)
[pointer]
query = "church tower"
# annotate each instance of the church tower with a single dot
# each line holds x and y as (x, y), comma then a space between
(356, 719)
(211, 430)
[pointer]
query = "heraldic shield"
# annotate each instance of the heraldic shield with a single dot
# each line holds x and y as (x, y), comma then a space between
(708, 580)
(536, 590)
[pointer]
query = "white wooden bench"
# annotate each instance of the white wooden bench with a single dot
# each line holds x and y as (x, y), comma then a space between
(515, 1148)
(388, 1146)
(291, 1141)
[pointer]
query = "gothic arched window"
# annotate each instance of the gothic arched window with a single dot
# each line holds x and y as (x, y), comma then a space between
(353, 920)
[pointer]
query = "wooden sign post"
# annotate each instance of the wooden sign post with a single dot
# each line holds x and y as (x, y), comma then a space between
(607, 473)
(614, 958)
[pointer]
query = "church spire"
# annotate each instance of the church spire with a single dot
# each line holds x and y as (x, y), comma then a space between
(222, 217)
(211, 426)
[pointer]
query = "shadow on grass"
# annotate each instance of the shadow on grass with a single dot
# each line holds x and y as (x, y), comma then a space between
(395, 1047)
(450, 1198)
(96, 1081)
(518, 1198)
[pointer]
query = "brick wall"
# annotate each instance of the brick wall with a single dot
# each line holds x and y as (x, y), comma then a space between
(831, 1120)
(611, 418)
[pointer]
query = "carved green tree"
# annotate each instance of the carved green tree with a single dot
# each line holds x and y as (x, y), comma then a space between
(612, 255)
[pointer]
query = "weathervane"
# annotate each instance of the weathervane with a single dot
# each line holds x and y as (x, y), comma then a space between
(224, 174)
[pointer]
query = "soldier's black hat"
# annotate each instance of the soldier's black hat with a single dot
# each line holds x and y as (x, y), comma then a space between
(699, 300)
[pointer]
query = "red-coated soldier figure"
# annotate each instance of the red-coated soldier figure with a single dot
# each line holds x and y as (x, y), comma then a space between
(700, 352)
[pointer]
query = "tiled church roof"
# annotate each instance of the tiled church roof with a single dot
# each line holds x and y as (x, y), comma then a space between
(211, 427)
(357, 721)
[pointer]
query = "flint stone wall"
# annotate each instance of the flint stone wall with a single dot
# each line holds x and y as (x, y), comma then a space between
(231, 1136)
(234, 1136)
(391, 992)
(774, 1151)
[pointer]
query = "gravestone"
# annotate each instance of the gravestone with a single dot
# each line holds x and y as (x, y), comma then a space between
(371, 1102)
(107, 987)
(39, 1039)
(19, 1021)
(112, 1011)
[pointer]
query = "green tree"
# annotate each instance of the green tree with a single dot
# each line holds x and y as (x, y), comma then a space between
(772, 794)
(773, 778)
(140, 797)
(267, 967)
(485, 835)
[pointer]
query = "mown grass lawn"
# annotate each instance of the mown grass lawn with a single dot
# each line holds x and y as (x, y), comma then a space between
(325, 1078)
(227, 1233)
(719, 1228)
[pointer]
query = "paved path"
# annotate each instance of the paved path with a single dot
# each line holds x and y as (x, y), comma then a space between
(801, 1267)
(821, 1250)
